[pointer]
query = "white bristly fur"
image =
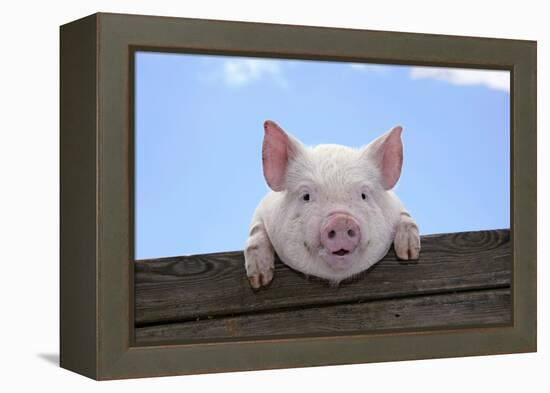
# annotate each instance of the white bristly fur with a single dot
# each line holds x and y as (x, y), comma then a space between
(335, 176)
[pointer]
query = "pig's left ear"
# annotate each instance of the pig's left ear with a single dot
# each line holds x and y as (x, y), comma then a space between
(386, 153)
(277, 150)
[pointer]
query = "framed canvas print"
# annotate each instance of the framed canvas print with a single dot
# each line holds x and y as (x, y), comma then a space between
(241, 196)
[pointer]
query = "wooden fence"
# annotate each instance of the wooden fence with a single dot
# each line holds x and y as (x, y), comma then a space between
(461, 279)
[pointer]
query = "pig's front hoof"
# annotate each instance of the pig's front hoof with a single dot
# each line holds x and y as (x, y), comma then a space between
(407, 241)
(259, 264)
(261, 279)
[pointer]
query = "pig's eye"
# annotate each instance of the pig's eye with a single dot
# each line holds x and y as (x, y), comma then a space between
(363, 196)
(305, 197)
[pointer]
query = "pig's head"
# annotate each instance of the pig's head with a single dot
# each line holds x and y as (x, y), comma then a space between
(337, 216)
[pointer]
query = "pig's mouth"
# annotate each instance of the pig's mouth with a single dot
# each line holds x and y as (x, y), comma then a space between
(339, 260)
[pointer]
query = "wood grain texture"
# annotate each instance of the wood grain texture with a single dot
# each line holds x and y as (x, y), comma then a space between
(208, 286)
(430, 311)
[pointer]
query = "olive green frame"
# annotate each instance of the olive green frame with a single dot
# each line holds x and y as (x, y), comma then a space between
(96, 269)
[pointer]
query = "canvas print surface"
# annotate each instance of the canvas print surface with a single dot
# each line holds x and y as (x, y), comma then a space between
(336, 186)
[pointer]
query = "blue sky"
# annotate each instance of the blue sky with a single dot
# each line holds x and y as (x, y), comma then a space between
(199, 132)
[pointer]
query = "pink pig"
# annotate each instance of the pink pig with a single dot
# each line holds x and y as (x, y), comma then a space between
(331, 212)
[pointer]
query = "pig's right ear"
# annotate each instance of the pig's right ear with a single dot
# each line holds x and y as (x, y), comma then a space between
(386, 153)
(278, 148)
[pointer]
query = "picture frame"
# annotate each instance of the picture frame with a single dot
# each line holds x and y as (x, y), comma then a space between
(97, 265)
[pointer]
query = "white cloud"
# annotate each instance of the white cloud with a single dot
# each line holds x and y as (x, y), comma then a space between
(241, 72)
(376, 68)
(498, 80)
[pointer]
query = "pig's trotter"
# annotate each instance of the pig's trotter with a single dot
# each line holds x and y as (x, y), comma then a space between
(407, 238)
(259, 257)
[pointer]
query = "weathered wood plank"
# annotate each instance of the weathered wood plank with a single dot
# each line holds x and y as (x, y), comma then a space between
(483, 307)
(189, 288)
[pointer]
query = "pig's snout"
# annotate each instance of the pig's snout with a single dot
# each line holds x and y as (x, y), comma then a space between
(340, 234)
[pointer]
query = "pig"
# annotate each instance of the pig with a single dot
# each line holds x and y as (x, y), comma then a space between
(331, 211)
